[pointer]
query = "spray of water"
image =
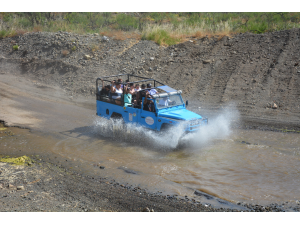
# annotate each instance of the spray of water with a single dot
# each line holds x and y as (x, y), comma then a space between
(217, 128)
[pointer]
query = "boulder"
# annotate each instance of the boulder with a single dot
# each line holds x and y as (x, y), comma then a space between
(20, 188)
(105, 39)
(87, 57)
(206, 61)
(146, 209)
(274, 106)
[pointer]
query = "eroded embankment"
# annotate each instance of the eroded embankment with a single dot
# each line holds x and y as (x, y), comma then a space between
(251, 70)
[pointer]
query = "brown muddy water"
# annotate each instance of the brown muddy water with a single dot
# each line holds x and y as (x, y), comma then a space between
(259, 167)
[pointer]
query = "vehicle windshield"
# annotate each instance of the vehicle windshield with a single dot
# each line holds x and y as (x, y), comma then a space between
(167, 102)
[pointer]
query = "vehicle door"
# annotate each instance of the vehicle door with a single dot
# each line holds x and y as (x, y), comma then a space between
(130, 114)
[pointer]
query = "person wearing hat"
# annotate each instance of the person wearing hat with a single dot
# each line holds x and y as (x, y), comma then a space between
(151, 91)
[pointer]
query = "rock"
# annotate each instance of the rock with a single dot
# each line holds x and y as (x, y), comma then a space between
(151, 58)
(274, 106)
(105, 39)
(87, 57)
(10, 186)
(206, 61)
(146, 209)
(102, 167)
(1, 186)
(20, 188)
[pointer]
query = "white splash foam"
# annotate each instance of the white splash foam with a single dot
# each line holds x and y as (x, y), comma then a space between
(217, 128)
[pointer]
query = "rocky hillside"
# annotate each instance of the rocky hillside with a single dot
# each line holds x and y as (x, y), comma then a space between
(252, 70)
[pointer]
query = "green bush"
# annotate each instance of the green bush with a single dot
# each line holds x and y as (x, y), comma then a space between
(73, 48)
(24, 22)
(15, 47)
(126, 22)
(161, 37)
(3, 33)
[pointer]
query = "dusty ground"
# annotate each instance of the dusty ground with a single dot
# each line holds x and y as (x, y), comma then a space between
(38, 84)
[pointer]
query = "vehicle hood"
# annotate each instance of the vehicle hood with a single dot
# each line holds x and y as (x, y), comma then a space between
(182, 114)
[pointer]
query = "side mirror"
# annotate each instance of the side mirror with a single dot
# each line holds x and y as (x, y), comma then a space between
(187, 103)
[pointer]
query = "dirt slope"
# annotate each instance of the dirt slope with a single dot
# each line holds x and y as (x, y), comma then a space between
(251, 70)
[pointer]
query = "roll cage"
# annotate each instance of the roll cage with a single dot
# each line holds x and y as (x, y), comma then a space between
(130, 79)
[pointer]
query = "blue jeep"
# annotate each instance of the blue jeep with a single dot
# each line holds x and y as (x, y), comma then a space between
(166, 106)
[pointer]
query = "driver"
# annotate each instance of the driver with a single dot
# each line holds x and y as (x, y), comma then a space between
(165, 101)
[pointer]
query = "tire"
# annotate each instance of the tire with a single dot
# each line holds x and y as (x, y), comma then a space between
(165, 127)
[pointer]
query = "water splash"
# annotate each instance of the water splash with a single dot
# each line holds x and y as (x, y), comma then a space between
(217, 128)
(131, 133)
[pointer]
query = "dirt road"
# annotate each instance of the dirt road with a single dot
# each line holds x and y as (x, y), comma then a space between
(49, 184)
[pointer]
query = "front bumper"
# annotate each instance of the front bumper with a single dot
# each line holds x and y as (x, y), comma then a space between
(195, 125)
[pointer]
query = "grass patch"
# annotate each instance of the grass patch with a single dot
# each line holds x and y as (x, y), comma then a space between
(161, 37)
(161, 27)
(23, 160)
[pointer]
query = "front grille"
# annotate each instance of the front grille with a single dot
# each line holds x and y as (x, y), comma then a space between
(195, 124)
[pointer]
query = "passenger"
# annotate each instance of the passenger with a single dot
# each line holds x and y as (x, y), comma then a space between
(151, 91)
(127, 96)
(132, 91)
(120, 81)
(140, 95)
(137, 87)
(148, 104)
(105, 90)
(116, 92)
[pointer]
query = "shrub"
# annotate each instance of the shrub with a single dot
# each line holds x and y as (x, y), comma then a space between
(126, 23)
(15, 47)
(73, 48)
(37, 28)
(3, 33)
(161, 37)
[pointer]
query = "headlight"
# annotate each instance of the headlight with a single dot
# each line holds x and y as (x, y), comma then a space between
(195, 122)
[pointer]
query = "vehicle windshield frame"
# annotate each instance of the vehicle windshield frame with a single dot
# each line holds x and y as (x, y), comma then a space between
(177, 98)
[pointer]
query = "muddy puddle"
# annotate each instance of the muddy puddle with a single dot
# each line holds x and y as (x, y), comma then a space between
(260, 167)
